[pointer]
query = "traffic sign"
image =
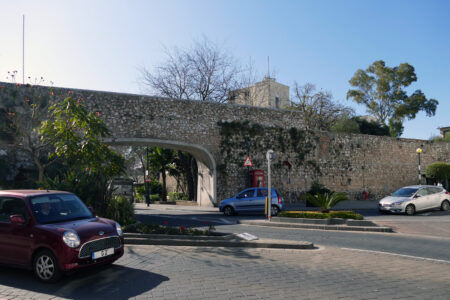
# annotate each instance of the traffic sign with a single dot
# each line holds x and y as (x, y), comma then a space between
(248, 162)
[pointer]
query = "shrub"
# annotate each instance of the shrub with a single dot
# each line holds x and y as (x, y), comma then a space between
(165, 229)
(319, 215)
(121, 210)
(439, 171)
(174, 196)
(326, 201)
(155, 197)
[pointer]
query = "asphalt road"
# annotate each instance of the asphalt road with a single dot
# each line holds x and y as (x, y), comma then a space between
(386, 266)
(428, 236)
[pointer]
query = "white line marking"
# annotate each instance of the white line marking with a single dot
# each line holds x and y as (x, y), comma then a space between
(401, 255)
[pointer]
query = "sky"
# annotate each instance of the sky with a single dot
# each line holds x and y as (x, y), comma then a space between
(103, 45)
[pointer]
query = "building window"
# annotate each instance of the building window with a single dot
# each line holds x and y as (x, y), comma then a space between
(277, 102)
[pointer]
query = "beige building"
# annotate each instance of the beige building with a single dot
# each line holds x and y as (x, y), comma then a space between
(266, 93)
(445, 131)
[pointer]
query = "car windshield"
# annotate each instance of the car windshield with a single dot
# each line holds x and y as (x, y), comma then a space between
(56, 208)
(405, 192)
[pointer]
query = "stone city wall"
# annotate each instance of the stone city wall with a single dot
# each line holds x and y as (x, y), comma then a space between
(342, 162)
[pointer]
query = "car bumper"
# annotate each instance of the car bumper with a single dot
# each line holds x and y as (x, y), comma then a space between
(69, 259)
(391, 208)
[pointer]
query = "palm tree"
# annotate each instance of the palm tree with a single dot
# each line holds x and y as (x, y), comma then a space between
(160, 161)
(325, 201)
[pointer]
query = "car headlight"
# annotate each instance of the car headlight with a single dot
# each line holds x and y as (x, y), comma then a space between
(119, 229)
(71, 239)
(397, 203)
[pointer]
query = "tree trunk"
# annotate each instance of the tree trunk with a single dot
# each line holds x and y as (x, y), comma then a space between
(39, 166)
(189, 173)
(164, 189)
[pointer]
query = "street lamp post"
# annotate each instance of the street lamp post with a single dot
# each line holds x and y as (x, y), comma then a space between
(270, 156)
(419, 151)
(147, 188)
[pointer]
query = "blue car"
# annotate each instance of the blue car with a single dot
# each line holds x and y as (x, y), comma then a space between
(252, 200)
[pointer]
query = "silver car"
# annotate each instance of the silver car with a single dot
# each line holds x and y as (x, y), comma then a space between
(411, 199)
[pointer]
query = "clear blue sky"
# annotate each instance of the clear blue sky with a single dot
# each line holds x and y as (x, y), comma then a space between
(100, 45)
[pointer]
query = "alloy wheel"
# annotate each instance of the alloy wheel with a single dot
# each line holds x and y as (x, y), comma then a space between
(228, 211)
(445, 205)
(410, 210)
(45, 267)
(274, 211)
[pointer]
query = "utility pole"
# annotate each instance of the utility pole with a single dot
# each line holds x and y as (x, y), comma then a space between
(270, 156)
(23, 49)
(147, 176)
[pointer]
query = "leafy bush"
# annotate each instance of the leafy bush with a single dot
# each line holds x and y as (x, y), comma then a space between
(318, 215)
(174, 196)
(121, 210)
(155, 187)
(439, 171)
(326, 200)
(155, 197)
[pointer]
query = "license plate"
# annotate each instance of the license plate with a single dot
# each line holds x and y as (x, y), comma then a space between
(102, 253)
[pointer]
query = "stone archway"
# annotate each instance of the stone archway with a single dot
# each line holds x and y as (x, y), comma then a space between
(206, 164)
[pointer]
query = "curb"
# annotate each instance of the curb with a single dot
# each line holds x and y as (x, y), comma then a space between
(318, 226)
(230, 240)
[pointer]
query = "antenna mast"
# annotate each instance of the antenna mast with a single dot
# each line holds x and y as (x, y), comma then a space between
(23, 49)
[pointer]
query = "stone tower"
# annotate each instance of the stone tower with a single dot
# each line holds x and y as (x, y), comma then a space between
(266, 93)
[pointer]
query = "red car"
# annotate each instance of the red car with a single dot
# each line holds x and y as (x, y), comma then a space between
(53, 232)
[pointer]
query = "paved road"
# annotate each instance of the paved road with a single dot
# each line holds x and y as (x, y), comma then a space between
(347, 265)
(426, 235)
(162, 272)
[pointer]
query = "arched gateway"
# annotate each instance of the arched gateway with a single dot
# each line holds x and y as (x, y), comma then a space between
(191, 126)
(206, 165)
(220, 136)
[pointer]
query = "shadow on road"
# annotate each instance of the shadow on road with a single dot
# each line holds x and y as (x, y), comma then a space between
(108, 282)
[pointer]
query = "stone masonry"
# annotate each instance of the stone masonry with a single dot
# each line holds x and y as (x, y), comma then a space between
(342, 162)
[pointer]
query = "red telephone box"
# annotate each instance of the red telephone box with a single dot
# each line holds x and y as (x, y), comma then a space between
(256, 178)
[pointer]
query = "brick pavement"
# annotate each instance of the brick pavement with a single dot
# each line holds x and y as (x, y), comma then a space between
(164, 272)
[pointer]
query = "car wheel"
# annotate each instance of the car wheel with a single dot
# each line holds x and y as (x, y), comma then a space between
(228, 211)
(46, 267)
(445, 205)
(274, 211)
(410, 210)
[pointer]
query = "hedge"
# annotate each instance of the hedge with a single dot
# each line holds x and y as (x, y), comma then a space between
(318, 215)
(438, 170)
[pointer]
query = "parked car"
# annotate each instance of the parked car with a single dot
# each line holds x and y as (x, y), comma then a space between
(53, 232)
(411, 199)
(252, 200)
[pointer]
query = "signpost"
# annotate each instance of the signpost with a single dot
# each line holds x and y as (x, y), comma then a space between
(248, 162)
(270, 157)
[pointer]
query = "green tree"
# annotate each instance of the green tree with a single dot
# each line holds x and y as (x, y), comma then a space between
(439, 171)
(22, 110)
(381, 90)
(88, 163)
(161, 161)
(76, 136)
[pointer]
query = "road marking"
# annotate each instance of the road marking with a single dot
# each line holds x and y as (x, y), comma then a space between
(401, 255)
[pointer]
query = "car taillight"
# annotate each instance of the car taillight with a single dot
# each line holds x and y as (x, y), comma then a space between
(279, 199)
(447, 193)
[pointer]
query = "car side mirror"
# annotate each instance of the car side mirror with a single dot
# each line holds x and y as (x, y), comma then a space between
(417, 196)
(91, 209)
(17, 219)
